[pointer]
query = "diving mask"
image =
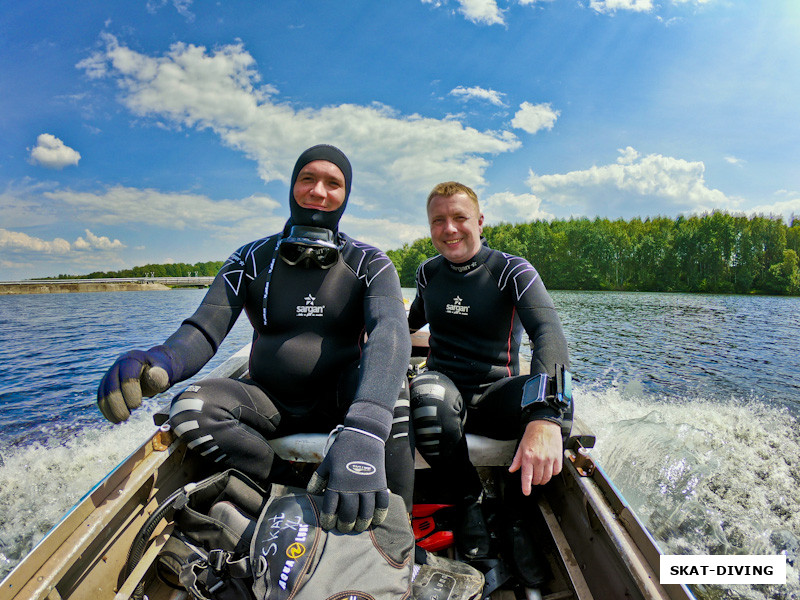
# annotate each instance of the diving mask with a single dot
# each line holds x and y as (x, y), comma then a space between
(313, 244)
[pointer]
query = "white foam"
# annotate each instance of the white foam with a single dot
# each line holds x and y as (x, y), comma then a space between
(40, 482)
(706, 477)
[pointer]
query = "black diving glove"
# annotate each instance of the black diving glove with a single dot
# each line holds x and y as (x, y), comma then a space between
(134, 375)
(353, 477)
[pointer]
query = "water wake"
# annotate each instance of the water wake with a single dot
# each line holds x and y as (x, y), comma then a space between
(39, 482)
(705, 476)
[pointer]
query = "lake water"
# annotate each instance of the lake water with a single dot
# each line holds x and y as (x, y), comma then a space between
(695, 401)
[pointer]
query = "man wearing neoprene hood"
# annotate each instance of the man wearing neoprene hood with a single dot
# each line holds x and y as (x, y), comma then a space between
(311, 294)
(477, 301)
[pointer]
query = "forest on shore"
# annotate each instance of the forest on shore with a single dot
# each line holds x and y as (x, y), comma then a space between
(201, 269)
(717, 252)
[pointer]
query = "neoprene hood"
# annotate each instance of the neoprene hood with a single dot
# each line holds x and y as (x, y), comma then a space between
(320, 218)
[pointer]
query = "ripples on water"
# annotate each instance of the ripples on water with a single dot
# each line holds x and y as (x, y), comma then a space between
(694, 400)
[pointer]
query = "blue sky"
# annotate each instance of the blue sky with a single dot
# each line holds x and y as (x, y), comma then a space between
(152, 131)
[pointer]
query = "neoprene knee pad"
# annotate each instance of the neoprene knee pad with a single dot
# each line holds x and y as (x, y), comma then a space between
(438, 414)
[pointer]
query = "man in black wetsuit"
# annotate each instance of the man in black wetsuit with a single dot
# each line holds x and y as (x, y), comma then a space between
(311, 294)
(477, 301)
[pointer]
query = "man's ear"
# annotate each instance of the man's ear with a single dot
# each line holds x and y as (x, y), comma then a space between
(480, 223)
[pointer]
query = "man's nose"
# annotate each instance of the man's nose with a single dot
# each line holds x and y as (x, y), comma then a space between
(450, 225)
(319, 189)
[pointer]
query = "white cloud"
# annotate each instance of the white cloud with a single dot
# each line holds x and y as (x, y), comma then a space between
(487, 12)
(182, 6)
(646, 183)
(52, 153)
(16, 241)
(384, 233)
(513, 208)
(21, 204)
(534, 117)
(734, 161)
(93, 242)
(176, 211)
(219, 90)
(483, 12)
(788, 208)
(611, 6)
(478, 93)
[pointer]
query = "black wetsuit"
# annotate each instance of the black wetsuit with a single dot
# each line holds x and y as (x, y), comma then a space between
(477, 312)
(310, 368)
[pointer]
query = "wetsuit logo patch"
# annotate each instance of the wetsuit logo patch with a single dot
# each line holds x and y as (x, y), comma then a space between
(309, 310)
(359, 467)
(456, 308)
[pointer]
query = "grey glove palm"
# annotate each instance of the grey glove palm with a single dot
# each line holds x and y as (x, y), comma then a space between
(134, 374)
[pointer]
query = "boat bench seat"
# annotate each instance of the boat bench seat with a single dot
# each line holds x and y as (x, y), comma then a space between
(309, 447)
(483, 451)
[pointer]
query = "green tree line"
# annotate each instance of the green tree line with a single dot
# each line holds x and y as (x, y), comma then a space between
(713, 253)
(201, 269)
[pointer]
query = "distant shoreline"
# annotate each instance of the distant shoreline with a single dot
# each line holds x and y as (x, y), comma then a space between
(56, 287)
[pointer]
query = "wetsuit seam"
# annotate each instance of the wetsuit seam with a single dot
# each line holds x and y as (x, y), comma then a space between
(508, 339)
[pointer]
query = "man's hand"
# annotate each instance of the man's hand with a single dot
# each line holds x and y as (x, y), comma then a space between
(133, 375)
(539, 454)
(353, 478)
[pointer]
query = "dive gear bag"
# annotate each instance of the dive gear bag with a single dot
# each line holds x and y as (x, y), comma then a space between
(234, 541)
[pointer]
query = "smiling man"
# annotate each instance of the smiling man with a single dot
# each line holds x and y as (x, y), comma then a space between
(477, 302)
(311, 294)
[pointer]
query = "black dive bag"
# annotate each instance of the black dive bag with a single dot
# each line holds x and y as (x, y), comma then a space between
(233, 541)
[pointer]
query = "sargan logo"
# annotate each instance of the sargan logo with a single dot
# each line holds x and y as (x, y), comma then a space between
(309, 309)
(456, 308)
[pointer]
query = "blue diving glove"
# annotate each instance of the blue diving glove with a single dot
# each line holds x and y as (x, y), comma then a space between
(353, 477)
(134, 374)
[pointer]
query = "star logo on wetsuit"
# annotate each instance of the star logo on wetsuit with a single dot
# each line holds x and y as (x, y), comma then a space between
(456, 308)
(309, 310)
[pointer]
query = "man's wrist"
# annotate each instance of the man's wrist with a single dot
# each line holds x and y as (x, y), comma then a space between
(547, 396)
(370, 417)
(364, 432)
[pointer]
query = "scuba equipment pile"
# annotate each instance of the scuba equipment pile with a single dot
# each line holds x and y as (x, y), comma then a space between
(233, 541)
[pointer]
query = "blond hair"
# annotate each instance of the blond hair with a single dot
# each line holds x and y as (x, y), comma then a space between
(451, 188)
